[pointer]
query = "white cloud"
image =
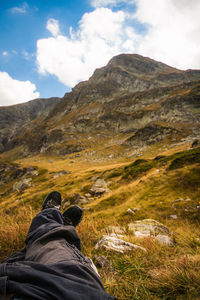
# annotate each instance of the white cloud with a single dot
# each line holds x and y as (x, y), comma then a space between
(53, 26)
(172, 36)
(14, 91)
(5, 53)
(20, 9)
(74, 58)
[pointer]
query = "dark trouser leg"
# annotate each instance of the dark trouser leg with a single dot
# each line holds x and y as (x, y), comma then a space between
(46, 221)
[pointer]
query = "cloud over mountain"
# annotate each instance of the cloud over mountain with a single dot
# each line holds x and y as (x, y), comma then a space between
(12, 91)
(171, 35)
(74, 58)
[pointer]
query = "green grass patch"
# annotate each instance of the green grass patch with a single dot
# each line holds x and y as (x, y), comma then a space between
(42, 172)
(138, 168)
(181, 159)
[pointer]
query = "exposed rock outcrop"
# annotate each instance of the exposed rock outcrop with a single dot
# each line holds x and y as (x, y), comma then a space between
(112, 243)
(99, 187)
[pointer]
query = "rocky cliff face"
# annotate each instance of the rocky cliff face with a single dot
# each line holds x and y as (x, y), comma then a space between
(133, 95)
(14, 118)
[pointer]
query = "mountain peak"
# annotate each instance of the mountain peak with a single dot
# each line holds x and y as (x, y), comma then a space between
(138, 63)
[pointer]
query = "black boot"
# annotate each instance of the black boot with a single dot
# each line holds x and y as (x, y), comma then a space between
(73, 215)
(53, 200)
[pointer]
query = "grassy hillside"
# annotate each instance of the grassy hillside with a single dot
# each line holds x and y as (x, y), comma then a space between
(158, 184)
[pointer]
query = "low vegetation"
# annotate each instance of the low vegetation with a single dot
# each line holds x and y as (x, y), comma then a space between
(158, 187)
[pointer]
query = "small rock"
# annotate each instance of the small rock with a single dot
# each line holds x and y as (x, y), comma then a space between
(83, 201)
(177, 201)
(187, 200)
(90, 199)
(34, 173)
(136, 209)
(174, 217)
(164, 240)
(115, 229)
(87, 195)
(22, 185)
(130, 211)
(104, 263)
(61, 173)
(112, 243)
(191, 208)
(99, 187)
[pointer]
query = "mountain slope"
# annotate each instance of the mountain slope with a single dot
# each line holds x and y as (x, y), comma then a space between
(12, 118)
(135, 124)
(129, 94)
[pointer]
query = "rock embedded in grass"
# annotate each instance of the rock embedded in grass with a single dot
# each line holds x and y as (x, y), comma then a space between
(99, 187)
(130, 211)
(174, 217)
(151, 228)
(115, 244)
(22, 185)
(61, 173)
(164, 240)
(104, 263)
(115, 229)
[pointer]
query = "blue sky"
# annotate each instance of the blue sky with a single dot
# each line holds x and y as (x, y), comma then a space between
(21, 28)
(48, 46)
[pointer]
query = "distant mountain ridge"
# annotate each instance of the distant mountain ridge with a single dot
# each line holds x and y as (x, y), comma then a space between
(13, 117)
(131, 96)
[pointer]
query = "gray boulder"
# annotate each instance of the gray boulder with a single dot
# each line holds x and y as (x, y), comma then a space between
(151, 228)
(99, 187)
(115, 244)
(22, 185)
(164, 240)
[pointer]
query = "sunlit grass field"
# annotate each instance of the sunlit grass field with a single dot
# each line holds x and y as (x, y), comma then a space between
(148, 183)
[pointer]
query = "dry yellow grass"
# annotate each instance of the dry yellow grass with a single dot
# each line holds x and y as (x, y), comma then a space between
(160, 273)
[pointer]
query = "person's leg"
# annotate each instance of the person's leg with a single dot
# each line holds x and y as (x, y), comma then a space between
(50, 218)
(53, 237)
(43, 222)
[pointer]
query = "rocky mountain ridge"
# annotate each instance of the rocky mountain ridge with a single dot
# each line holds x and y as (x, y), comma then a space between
(13, 118)
(138, 98)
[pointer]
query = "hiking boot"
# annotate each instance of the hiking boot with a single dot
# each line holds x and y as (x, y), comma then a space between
(53, 200)
(73, 215)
